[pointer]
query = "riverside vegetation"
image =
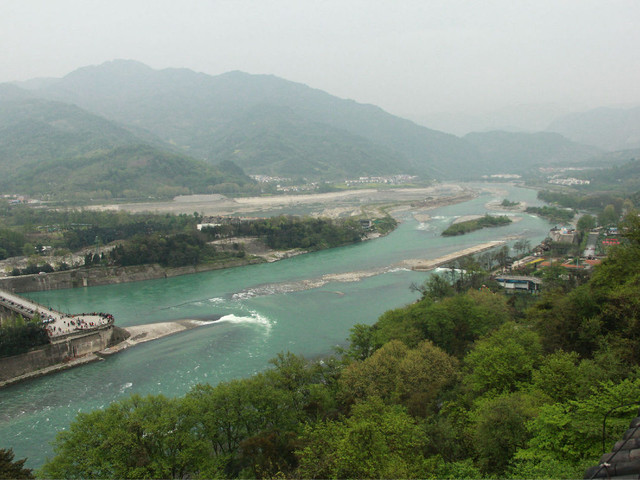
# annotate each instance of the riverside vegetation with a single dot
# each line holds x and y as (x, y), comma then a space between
(464, 383)
(18, 335)
(124, 239)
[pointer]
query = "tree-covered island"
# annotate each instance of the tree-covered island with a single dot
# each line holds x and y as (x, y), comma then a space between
(485, 221)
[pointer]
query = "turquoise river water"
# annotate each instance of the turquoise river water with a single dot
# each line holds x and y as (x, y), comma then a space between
(265, 309)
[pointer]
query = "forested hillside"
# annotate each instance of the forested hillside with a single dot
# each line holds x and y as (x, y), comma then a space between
(59, 151)
(464, 383)
(273, 140)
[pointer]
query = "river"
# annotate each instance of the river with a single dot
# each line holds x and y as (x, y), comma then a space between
(264, 309)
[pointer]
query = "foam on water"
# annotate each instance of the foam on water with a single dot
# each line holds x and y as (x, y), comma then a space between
(126, 386)
(398, 269)
(279, 288)
(203, 322)
(253, 319)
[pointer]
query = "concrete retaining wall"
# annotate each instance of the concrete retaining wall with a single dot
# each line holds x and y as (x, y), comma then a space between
(89, 277)
(65, 348)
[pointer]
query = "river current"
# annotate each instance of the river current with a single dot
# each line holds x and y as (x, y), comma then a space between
(304, 304)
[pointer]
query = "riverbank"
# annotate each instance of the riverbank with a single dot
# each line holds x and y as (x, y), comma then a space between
(96, 276)
(332, 204)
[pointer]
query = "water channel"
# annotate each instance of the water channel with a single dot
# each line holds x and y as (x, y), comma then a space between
(264, 309)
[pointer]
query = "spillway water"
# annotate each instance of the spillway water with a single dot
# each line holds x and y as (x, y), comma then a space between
(291, 305)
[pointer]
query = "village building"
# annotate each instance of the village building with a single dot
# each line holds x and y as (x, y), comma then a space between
(519, 283)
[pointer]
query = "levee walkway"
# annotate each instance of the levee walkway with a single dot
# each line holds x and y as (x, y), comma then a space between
(58, 324)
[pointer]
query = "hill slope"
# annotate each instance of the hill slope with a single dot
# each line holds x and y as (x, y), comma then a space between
(132, 171)
(273, 140)
(33, 130)
(512, 152)
(56, 149)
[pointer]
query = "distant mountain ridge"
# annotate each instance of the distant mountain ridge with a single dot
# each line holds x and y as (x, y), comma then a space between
(264, 124)
(518, 152)
(189, 109)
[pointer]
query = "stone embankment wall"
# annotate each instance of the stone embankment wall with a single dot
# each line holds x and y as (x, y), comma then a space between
(90, 277)
(61, 350)
(6, 312)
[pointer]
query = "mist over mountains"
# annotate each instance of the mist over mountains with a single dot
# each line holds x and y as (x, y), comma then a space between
(261, 123)
(606, 128)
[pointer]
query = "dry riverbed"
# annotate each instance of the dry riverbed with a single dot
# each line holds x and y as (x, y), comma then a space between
(333, 204)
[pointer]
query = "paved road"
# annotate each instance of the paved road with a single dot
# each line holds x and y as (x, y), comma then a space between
(592, 240)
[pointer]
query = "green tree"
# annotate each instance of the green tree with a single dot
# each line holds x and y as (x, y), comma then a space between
(28, 250)
(398, 374)
(586, 222)
(10, 468)
(568, 435)
(604, 313)
(608, 216)
(501, 256)
(500, 429)
(558, 376)
(522, 246)
(502, 361)
(361, 344)
(140, 437)
(232, 413)
(376, 441)
(452, 324)
(456, 322)
(436, 287)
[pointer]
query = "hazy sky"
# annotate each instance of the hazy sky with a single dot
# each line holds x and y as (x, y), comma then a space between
(409, 57)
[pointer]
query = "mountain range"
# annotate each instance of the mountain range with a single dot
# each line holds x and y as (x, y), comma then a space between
(98, 115)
